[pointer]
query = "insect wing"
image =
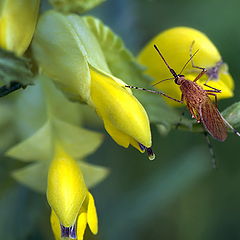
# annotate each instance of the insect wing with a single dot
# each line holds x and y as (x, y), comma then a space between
(213, 120)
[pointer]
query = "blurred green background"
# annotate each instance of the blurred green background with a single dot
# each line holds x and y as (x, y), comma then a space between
(178, 196)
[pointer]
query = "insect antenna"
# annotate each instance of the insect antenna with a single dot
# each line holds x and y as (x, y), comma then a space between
(170, 69)
(162, 81)
(191, 57)
(154, 91)
(210, 147)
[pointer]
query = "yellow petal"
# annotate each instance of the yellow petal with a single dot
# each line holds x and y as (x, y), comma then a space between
(66, 187)
(124, 117)
(81, 225)
(92, 218)
(175, 45)
(17, 24)
(55, 225)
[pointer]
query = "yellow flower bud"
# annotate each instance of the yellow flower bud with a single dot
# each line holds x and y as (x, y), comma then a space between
(124, 117)
(69, 53)
(175, 45)
(66, 189)
(17, 24)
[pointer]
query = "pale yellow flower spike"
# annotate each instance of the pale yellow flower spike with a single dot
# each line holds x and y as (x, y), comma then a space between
(66, 187)
(17, 24)
(124, 117)
(175, 45)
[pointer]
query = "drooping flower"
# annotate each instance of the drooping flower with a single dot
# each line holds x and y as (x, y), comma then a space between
(175, 45)
(87, 215)
(72, 205)
(17, 24)
(69, 53)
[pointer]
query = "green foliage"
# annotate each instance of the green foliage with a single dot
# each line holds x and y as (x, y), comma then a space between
(232, 114)
(78, 142)
(76, 6)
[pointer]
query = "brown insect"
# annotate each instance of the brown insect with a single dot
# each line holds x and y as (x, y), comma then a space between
(198, 101)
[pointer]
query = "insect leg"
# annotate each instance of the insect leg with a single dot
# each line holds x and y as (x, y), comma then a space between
(215, 96)
(193, 113)
(204, 70)
(216, 90)
(213, 157)
(155, 92)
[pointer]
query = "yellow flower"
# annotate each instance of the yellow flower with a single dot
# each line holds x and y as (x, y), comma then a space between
(175, 45)
(124, 117)
(66, 187)
(69, 53)
(72, 205)
(17, 24)
(87, 215)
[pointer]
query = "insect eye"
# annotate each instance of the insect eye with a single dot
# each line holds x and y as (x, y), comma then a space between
(176, 80)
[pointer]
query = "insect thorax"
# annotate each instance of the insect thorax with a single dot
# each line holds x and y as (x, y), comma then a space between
(192, 92)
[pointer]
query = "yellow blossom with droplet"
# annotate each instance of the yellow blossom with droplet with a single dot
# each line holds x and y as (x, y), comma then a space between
(175, 45)
(17, 24)
(69, 53)
(124, 117)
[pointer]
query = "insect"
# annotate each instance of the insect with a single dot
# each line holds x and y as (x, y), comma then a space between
(197, 100)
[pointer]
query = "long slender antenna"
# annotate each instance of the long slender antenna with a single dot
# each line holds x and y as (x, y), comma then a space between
(155, 92)
(170, 69)
(162, 81)
(191, 57)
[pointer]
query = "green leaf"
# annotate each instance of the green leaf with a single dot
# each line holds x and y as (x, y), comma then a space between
(40, 101)
(93, 174)
(36, 147)
(78, 142)
(76, 6)
(123, 65)
(68, 66)
(35, 175)
(232, 114)
(15, 72)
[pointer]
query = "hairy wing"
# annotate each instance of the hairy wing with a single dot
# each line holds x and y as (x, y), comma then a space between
(213, 120)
